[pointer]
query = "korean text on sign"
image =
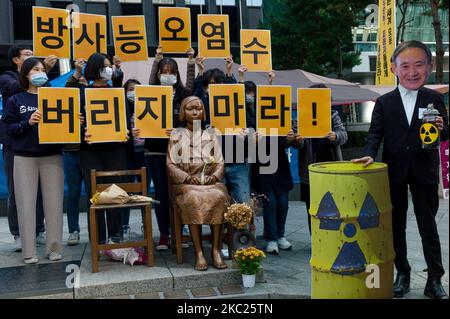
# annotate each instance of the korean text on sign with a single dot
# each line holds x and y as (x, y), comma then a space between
(130, 39)
(51, 35)
(227, 107)
(153, 110)
(274, 109)
(213, 36)
(314, 112)
(174, 29)
(60, 108)
(106, 115)
(88, 35)
(256, 52)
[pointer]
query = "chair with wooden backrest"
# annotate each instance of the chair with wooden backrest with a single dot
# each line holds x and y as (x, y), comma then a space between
(176, 229)
(146, 207)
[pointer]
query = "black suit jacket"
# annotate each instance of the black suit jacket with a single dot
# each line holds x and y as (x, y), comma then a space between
(402, 148)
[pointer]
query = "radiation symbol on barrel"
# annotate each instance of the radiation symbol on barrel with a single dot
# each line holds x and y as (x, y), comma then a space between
(350, 256)
(428, 133)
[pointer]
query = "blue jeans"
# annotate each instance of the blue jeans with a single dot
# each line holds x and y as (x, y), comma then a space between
(275, 212)
(73, 179)
(237, 180)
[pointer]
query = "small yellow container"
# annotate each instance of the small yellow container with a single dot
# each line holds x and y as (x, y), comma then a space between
(351, 223)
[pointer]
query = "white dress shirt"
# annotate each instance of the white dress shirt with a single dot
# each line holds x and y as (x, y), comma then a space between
(409, 98)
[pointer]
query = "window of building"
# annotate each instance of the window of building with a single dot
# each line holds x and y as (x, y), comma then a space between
(254, 3)
(23, 19)
(61, 4)
(233, 18)
(131, 9)
(226, 3)
(162, 1)
(195, 11)
(195, 2)
(372, 63)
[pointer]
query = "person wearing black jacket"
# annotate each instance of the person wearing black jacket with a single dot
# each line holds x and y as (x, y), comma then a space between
(34, 162)
(397, 118)
(100, 156)
(9, 86)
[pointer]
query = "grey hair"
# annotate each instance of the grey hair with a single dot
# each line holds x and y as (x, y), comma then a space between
(411, 44)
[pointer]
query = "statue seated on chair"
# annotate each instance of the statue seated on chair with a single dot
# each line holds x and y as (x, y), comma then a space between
(195, 168)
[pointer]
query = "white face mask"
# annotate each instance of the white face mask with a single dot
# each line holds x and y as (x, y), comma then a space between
(106, 73)
(168, 79)
(131, 96)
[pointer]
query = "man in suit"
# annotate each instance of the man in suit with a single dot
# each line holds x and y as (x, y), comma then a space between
(397, 117)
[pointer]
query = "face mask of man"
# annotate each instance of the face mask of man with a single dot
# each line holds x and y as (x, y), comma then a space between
(131, 96)
(106, 73)
(168, 79)
(249, 99)
(39, 79)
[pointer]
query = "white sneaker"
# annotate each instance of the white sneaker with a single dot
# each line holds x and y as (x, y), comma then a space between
(40, 238)
(31, 260)
(17, 247)
(74, 239)
(284, 244)
(53, 256)
(272, 247)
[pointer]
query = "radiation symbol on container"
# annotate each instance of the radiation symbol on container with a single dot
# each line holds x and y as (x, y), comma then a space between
(350, 259)
(428, 133)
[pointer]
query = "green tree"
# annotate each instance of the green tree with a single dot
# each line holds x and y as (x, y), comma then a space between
(314, 35)
(436, 5)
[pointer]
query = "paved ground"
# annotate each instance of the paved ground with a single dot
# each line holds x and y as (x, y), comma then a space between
(285, 275)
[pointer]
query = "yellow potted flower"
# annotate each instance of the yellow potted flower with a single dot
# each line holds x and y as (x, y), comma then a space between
(249, 261)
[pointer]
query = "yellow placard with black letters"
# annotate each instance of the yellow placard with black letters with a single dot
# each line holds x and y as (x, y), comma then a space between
(51, 35)
(106, 115)
(274, 109)
(60, 120)
(213, 36)
(174, 29)
(153, 110)
(256, 50)
(227, 108)
(88, 34)
(314, 112)
(130, 38)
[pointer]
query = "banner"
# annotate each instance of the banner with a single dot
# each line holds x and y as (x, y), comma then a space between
(51, 32)
(60, 109)
(153, 110)
(227, 108)
(273, 109)
(314, 112)
(445, 168)
(130, 38)
(106, 114)
(174, 29)
(88, 35)
(386, 42)
(213, 36)
(256, 50)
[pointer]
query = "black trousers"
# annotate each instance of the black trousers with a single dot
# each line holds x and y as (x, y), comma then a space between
(104, 160)
(426, 203)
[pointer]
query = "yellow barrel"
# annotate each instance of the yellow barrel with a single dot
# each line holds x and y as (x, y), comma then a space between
(351, 222)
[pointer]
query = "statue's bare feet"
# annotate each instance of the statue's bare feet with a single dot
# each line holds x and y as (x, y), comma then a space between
(200, 262)
(217, 260)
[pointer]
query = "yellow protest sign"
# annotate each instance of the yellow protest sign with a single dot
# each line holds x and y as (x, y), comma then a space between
(314, 112)
(274, 109)
(386, 42)
(51, 32)
(130, 38)
(213, 36)
(227, 108)
(106, 115)
(153, 110)
(88, 34)
(174, 29)
(60, 108)
(256, 50)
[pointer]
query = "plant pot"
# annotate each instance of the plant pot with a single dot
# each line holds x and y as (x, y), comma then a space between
(248, 281)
